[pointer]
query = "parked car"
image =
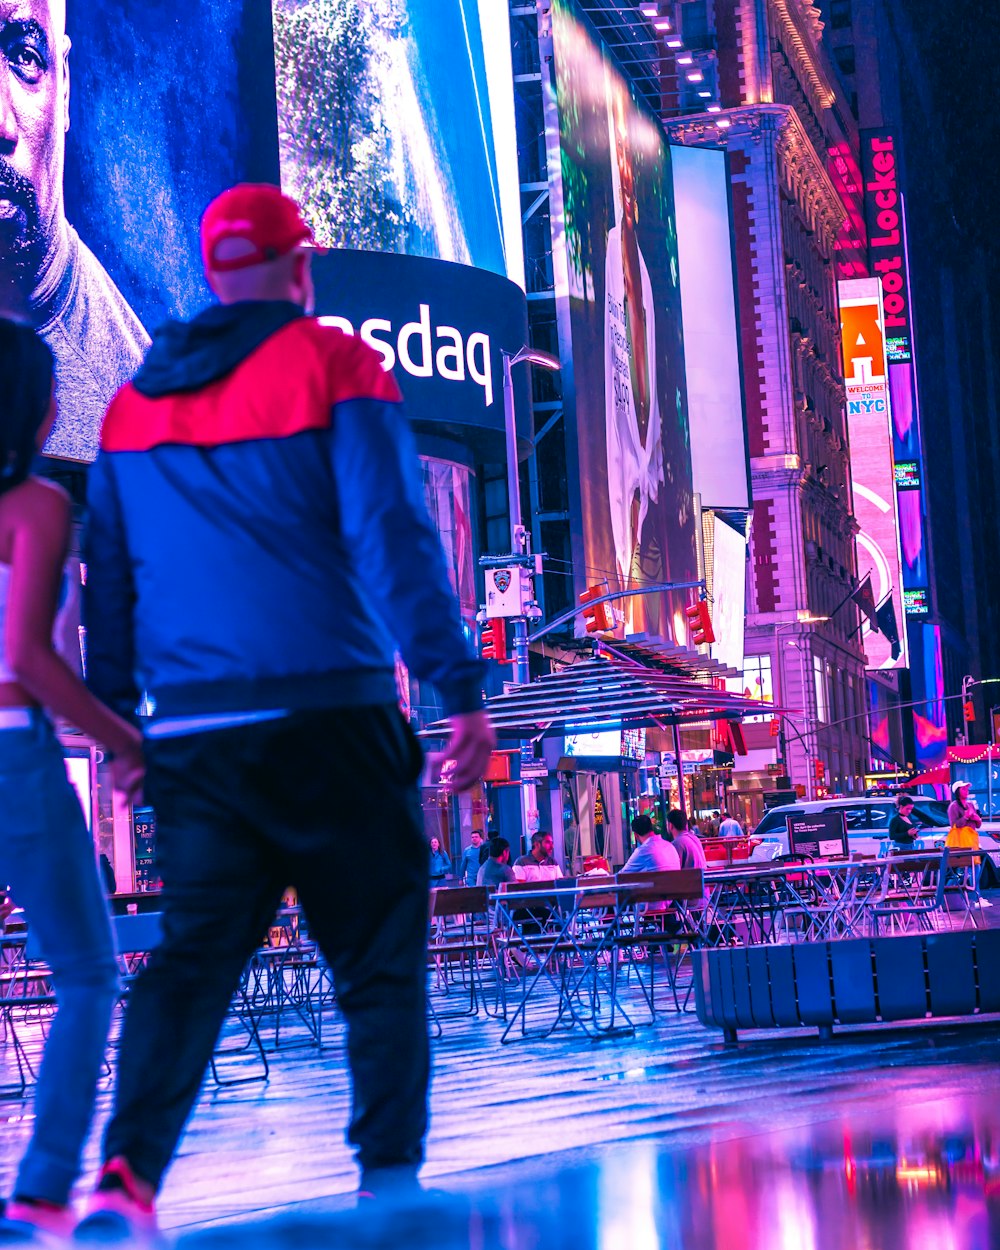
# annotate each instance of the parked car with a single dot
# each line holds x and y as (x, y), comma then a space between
(868, 829)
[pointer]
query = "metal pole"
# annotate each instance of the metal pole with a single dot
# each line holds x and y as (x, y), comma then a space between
(680, 769)
(522, 670)
(810, 720)
(513, 479)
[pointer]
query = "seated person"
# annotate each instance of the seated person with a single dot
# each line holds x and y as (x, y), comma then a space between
(687, 844)
(902, 827)
(540, 855)
(653, 853)
(497, 867)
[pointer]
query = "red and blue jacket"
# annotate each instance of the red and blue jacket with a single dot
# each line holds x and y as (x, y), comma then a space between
(257, 535)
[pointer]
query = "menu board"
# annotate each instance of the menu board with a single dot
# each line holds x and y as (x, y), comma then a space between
(821, 835)
(144, 832)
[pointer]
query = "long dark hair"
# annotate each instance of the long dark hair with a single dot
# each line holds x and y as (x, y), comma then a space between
(26, 371)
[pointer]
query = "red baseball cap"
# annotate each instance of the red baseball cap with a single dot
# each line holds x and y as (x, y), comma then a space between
(256, 222)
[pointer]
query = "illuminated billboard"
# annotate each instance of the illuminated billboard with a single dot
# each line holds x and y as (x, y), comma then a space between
(396, 118)
(727, 589)
(617, 283)
(719, 461)
(917, 602)
(396, 126)
(872, 470)
(930, 722)
(101, 187)
(887, 238)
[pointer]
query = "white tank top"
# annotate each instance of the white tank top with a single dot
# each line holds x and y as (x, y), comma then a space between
(66, 636)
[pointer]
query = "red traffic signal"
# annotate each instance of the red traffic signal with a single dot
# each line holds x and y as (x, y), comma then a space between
(700, 623)
(494, 640)
(819, 768)
(598, 618)
(969, 710)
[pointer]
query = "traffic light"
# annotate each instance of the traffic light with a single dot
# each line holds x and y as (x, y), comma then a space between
(819, 769)
(969, 710)
(494, 640)
(598, 618)
(700, 623)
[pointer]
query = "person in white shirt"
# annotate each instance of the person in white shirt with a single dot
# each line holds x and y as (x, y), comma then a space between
(686, 843)
(730, 828)
(653, 854)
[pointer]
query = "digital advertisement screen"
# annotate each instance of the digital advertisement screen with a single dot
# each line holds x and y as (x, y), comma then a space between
(862, 324)
(79, 773)
(117, 154)
(930, 722)
(917, 602)
(618, 293)
(393, 120)
(729, 599)
(396, 126)
(594, 743)
(634, 745)
(907, 475)
(719, 462)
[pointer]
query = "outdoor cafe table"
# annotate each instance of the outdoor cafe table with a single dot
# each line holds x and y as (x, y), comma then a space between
(830, 899)
(582, 923)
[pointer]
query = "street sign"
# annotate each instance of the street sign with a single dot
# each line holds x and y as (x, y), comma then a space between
(534, 770)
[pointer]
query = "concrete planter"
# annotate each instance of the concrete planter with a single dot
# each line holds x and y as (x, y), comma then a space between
(913, 976)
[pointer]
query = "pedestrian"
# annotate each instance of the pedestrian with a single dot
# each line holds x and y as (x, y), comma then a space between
(730, 828)
(964, 819)
(46, 853)
(902, 826)
(440, 863)
(468, 865)
(258, 550)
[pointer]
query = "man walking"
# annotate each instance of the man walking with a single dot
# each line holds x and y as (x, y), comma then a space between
(468, 868)
(258, 547)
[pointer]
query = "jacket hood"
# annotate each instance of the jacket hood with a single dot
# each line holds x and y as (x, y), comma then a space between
(187, 355)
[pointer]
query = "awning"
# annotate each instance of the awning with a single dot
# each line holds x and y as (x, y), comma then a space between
(609, 689)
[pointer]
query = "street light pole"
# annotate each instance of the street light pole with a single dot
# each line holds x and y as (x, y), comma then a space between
(804, 619)
(519, 551)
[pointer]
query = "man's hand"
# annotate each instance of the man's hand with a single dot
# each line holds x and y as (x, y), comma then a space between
(468, 750)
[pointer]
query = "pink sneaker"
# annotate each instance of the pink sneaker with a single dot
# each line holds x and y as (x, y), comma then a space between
(37, 1216)
(121, 1208)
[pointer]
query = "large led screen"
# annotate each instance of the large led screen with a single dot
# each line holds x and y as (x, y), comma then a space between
(618, 290)
(729, 584)
(862, 324)
(396, 126)
(719, 464)
(119, 127)
(123, 121)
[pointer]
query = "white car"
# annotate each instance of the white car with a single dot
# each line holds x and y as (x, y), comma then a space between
(868, 829)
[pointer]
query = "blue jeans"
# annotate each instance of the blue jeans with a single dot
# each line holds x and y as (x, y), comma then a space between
(47, 858)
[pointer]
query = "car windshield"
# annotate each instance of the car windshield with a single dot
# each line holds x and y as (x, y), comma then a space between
(931, 813)
(773, 822)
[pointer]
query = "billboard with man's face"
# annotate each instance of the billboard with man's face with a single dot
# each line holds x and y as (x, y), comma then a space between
(121, 119)
(118, 121)
(615, 255)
